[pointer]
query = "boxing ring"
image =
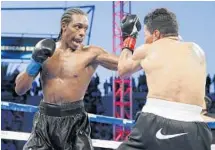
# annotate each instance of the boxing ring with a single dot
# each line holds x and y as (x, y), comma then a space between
(23, 136)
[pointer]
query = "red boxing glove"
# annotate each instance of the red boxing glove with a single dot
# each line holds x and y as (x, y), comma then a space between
(129, 43)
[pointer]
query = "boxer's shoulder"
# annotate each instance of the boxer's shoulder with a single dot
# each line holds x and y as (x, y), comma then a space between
(159, 44)
(95, 49)
(197, 49)
(86, 47)
(194, 46)
(143, 48)
(141, 51)
(90, 47)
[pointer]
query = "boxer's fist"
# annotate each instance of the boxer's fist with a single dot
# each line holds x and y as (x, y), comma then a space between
(43, 49)
(130, 26)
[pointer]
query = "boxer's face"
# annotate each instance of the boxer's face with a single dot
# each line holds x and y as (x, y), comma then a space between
(150, 38)
(75, 32)
(147, 35)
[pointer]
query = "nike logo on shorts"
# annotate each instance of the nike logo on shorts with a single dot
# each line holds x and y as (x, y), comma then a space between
(161, 136)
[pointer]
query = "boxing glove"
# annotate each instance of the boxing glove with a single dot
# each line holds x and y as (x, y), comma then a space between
(43, 49)
(130, 26)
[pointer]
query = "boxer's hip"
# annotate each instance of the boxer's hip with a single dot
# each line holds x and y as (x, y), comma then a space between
(61, 110)
(173, 110)
(60, 125)
(156, 132)
(169, 125)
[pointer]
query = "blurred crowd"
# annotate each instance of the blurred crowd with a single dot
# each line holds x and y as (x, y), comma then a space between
(210, 92)
(140, 87)
(14, 120)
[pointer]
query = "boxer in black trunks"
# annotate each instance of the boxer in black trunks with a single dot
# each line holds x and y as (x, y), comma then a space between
(65, 68)
(176, 73)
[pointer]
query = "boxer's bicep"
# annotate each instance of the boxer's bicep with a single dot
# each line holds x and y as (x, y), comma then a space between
(127, 65)
(107, 60)
(136, 66)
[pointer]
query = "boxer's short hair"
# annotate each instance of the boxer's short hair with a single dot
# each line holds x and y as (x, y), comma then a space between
(163, 20)
(67, 17)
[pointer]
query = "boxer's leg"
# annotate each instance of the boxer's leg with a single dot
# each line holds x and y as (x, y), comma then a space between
(136, 139)
(75, 135)
(152, 132)
(83, 140)
(204, 137)
(37, 140)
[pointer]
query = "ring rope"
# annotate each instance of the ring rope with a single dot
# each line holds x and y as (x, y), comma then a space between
(92, 117)
(23, 136)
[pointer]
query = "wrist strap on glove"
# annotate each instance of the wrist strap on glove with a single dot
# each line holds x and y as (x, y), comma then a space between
(129, 43)
(33, 68)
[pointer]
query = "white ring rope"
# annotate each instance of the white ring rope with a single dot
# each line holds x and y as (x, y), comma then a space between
(23, 136)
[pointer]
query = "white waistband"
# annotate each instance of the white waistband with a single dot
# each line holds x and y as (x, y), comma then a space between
(173, 110)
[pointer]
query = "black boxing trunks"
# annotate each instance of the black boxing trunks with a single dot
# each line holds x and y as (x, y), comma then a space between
(164, 125)
(60, 127)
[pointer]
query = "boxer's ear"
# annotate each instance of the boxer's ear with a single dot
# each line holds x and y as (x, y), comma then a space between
(63, 26)
(156, 35)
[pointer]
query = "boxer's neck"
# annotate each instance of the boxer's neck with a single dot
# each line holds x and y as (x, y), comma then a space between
(176, 38)
(62, 45)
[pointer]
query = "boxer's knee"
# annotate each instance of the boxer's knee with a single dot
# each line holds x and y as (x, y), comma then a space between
(83, 142)
(35, 142)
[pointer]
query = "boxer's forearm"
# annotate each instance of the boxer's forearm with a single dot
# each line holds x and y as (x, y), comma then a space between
(124, 64)
(127, 66)
(23, 83)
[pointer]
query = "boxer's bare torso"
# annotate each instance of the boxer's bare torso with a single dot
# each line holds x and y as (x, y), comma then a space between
(66, 75)
(175, 71)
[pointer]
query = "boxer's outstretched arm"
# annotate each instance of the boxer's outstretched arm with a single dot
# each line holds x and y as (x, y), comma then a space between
(23, 83)
(127, 66)
(105, 59)
(128, 63)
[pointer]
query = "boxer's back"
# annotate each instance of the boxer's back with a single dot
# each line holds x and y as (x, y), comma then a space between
(175, 72)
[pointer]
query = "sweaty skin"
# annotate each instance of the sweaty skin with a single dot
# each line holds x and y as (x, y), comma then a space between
(175, 70)
(66, 75)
